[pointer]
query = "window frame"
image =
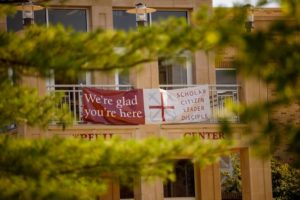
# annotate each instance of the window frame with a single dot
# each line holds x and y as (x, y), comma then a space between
(189, 69)
(187, 55)
(188, 11)
(50, 81)
(65, 8)
(87, 10)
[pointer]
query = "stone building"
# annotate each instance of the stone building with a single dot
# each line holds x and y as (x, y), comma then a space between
(197, 69)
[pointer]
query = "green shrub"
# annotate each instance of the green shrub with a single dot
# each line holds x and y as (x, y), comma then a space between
(285, 181)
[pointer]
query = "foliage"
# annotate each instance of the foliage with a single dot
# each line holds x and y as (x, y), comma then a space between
(285, 181)
(233, 182)
(73, 169)
(59, 168)
(65, 55)
(24, 106)
(257, 55)
(272, 55)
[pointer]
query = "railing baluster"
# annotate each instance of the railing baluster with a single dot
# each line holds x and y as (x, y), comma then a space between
(80, 105)
(74, 103)
(237, 101)
(69, 100)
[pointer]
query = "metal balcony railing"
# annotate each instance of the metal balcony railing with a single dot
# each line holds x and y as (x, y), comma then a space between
(218, 94)
(72, 96)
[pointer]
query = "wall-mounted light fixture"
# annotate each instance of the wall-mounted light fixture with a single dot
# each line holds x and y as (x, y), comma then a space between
(28, 9)
(141, 12)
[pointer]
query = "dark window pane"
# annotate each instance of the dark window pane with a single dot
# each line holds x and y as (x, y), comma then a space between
(225, 76)
(162, 15)
(40, 17)
(126, 192)
(74, 18)
(123, 20)
(123, 78)
(15, 23)
(60, 78)
(184, 186)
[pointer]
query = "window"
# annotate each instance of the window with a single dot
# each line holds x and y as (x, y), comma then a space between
(226, 90)
(82, 78)
(126, 192)
(175, 71)
(163, 15)
(226, 76)
(184, 186)
(171, 72)
(40, 17)
(179, 70)
(77, 20)
(74, 18)
(123, 20)
(69, 18)
(230, 171)
(122, 80)
(15, 22)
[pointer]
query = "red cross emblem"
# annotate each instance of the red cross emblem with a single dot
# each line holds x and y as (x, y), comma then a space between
(162, 107)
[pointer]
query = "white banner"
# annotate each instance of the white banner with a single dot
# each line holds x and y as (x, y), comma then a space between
(177, 106)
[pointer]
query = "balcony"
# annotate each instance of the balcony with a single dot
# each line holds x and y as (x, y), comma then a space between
(218, 94)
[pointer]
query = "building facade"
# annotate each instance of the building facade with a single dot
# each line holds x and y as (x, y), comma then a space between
(194, 69)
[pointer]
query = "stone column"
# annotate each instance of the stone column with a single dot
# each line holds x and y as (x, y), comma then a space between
(256, 177)
(152, 190)
(205, 71)
(113, 191)
(38, 83)
(146, 76)
(208, 182)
